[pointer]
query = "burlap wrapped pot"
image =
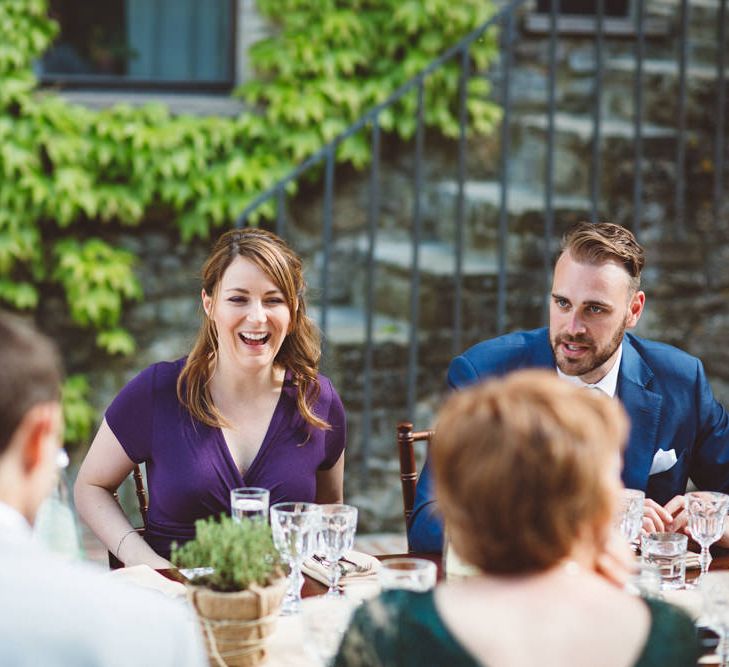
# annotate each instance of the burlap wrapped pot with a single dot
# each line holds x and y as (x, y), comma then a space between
(236, 625)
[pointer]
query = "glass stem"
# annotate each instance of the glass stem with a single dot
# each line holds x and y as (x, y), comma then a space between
(334, 575)
(704, 560)
(296, 581)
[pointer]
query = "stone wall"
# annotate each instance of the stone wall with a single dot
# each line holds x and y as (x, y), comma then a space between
(685, 279)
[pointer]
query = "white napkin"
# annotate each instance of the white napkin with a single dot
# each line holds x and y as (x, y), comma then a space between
(356, 566)
(145, 576)
(663, 460)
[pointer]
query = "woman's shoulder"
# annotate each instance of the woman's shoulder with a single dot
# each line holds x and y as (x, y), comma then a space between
(672, 639)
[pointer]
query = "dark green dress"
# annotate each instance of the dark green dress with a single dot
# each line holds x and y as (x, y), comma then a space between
(403, 629)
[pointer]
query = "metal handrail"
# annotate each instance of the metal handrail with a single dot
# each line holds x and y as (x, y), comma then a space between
(594, 206)
(375, 111)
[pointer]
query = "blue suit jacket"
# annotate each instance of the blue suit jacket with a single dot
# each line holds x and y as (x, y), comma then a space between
(666, 395)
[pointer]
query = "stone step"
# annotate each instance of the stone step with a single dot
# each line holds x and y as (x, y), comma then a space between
(702, 25)
(393, 282)
(580, 127)
(346, 326)
(482, 206)
(573, 150)
(661, 93)
(344, 359)
(702, 13)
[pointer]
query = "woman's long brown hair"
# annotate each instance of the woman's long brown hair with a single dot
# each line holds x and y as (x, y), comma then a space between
(301, 348)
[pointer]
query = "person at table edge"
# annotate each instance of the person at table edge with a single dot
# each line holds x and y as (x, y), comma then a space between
(246, 407)
(56, 611)
(678, 429)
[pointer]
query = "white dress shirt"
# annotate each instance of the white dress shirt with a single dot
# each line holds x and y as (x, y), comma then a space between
(56, 613)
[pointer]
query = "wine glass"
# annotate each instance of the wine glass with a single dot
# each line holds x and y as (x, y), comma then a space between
(249, 502)
(630, 514)
(714, 589)
(706, 512)
(295, 528)
(338, 525)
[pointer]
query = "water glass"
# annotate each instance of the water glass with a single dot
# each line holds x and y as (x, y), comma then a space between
(249, 502)
(630, 514)
(706, 511)
(295, 528)
(338, 526)
(667, 552)
(412, 574)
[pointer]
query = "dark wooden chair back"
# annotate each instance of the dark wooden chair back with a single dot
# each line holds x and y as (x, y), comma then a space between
(406, 438)
(114, 562)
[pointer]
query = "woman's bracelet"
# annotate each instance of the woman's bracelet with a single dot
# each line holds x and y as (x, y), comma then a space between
(124, 537)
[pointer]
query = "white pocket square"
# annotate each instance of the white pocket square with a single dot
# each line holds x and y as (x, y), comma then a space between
(663, 460)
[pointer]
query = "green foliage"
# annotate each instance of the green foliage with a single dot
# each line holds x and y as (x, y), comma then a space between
(66, 171)
(78, 415)
(95, 277)
(240, 554)
(326, 67)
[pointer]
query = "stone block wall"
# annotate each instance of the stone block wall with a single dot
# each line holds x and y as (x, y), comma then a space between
(686, 278)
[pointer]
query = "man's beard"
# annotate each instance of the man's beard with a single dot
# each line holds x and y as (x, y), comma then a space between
(593, 359)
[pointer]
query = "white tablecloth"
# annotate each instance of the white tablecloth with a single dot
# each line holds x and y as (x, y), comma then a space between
(287, 647)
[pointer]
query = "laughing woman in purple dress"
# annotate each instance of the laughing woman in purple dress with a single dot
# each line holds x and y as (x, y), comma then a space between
(247, 407)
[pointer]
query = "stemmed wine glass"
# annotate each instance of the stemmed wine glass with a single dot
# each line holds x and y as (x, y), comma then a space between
(714, 588)
(706, 511)
(630, 514)
(295, 528)
(338, 525)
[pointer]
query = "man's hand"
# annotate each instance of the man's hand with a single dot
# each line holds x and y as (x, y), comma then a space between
(657, 519)
(616, 562)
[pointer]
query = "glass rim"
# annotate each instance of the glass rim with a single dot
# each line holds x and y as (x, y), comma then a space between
(250, 489)
(288, 507)
(666, 537)
(415, 563)
(343, 507)
(704, 495)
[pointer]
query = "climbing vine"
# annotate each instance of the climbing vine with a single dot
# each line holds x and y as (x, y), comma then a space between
(67, 171)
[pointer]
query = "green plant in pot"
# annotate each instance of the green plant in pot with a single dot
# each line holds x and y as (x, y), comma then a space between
(238, 601)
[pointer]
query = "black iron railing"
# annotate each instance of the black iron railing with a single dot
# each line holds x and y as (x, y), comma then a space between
(507, 21)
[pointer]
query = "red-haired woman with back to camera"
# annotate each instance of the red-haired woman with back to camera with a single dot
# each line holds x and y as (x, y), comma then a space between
(527, 474)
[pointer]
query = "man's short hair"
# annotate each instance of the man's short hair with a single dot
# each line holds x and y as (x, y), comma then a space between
(30, 373)
(522, 468)
(595, 243)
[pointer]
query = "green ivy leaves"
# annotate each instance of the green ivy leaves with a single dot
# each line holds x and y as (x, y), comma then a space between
(96, 278)
(65, 169)
(78, 415)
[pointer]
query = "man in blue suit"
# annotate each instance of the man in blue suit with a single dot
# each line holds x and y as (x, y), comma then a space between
(678, 429)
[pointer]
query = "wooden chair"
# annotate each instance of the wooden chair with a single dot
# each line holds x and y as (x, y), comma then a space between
(406, 438)
(114, 562)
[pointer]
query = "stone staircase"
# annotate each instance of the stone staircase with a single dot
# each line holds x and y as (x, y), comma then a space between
(374, 486)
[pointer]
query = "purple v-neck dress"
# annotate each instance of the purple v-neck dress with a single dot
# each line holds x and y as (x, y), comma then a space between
(190, 471)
